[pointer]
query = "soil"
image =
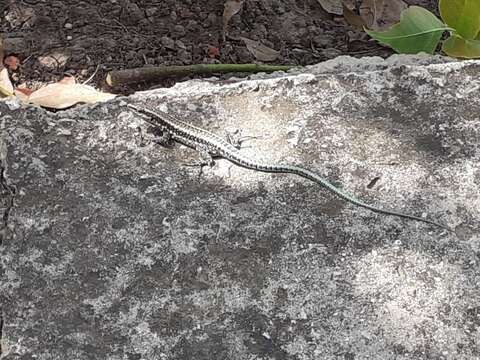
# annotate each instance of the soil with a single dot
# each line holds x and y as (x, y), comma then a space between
(85, 38)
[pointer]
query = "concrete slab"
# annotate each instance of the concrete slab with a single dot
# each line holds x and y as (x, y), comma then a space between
(113, 249)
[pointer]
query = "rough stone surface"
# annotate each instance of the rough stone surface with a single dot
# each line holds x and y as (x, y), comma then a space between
(115, 250)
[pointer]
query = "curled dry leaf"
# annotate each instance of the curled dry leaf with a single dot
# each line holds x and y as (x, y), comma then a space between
(61, 96)
(21, 95)
(231, 8)
(11, 62)
(6, 87)
(24, 90)
(261, 52)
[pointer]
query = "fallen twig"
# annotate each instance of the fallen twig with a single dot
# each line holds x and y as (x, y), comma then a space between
(129, 76)
(92, 76)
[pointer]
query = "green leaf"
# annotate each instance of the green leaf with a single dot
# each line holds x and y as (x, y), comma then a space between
(459, 47)
(418, 30)
(462, 15)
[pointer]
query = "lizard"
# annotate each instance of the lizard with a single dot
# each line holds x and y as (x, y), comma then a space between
(212, 145)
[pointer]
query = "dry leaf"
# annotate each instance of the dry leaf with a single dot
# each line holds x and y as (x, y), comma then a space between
(336, 6)
(61, 96)
(24, 90)
(11, 62)
(54, 60)
(381, 14)
(19, 16)
(231, 8)
(6, 87)
(21, 95)
(352, 18)
(261, 52)
(213, 52)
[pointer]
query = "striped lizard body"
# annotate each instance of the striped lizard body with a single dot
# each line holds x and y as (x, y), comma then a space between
(205, 141)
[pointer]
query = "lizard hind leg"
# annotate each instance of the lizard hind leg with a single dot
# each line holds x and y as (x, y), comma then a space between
(163, 138)
(205, 159)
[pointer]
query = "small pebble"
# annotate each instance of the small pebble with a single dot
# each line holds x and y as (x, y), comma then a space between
(179, 30)
(180, 45)
(168, 42)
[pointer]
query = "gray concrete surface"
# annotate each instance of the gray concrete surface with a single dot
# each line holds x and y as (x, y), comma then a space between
(114, 249)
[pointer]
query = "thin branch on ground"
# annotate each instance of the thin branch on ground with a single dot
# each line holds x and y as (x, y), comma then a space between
(130, 76)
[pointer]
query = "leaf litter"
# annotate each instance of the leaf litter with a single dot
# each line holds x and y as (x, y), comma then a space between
(232, 7)
(60, 95)
(260, 51)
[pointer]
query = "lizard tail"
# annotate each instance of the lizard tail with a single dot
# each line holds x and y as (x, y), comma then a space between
(310, 175)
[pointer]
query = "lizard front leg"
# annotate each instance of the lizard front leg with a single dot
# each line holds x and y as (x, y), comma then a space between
(163, 138)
